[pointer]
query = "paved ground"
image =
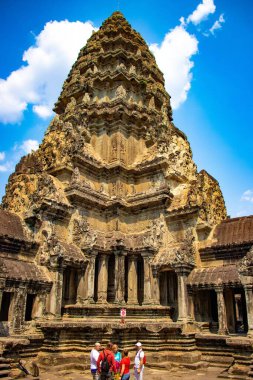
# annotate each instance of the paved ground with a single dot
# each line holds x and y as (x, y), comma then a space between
(150, 374)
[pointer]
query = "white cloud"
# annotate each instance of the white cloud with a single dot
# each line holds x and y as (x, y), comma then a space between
(202, 12)
(46, 65)
(218, 24)
(247, 196)
(29, 145)
(173, 57)
(6, 167)
(2, 156)
(42, 111)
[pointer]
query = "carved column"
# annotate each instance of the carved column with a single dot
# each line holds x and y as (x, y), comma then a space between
(230, 310)
(89, 279)
(2, 285)
(81, 291)
(147, 280)
(249, 304)
(19, 306)
(73, 286)
(40, 306)
(102, 278)
(164, 288)
(155, 286)
(222, 315)
(119, 277)
(55, 298)
(191, 315)
(182, 274)
(132, 280)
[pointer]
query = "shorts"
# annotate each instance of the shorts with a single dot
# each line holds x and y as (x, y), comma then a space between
(106, 376)
(126, 376)
(138, 376)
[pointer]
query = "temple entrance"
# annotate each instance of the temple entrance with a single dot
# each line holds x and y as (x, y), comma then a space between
(69, 288)
(6, 306)
(205, 308)
(169, 291)
(111, 279)
(30, 299)
(140, 282)
(236, 311)
(126, 279)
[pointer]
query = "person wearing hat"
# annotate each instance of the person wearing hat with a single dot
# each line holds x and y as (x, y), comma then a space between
(138, 362)
(93, 360)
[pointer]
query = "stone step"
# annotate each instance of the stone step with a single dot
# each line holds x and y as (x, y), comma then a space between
(226, 375)
(4, 374)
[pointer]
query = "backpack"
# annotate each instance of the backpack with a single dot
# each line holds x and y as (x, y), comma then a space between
(105, 367)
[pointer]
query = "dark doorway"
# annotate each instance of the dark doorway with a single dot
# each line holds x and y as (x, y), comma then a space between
(140, 274)
(111, 279)
(126, 279)
(29, 306)
(96, 280)
(5, 307)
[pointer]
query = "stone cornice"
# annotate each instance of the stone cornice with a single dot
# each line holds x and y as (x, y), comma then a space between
(91, 197)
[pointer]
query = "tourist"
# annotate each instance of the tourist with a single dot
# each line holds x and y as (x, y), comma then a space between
(117, 357)
(106, 363)
(125, 366)
(139, 362)
(93, 360)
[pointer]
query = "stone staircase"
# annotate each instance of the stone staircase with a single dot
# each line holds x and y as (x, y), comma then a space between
(4, 369)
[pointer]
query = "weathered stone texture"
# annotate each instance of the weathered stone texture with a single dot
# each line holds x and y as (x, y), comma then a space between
(110, 211)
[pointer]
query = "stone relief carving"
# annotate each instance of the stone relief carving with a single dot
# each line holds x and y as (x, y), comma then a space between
(121, 92)
(82, 234)
(185, 254)
(154, 236)
(245, 266)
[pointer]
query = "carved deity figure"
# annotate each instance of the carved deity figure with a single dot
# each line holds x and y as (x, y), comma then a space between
(121, 92)
(75, 178)
(71, 105)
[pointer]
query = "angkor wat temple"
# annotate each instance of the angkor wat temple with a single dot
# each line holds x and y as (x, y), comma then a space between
(111, 212)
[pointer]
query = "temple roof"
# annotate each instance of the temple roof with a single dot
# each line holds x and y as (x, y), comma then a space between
(222, 275)
(234, 231)
(11, 226)
(22, 271)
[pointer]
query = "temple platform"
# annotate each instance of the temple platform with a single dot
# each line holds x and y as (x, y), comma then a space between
(112, 311)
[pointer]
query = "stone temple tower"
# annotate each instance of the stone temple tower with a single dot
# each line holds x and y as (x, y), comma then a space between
(112, 200)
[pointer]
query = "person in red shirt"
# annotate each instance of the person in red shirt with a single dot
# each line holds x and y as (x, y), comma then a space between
(106, 363)
(125, 366)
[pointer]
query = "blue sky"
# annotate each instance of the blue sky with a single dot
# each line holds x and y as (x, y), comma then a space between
(206, 58)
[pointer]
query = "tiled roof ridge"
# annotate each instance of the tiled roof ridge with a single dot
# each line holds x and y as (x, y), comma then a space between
(229, 220)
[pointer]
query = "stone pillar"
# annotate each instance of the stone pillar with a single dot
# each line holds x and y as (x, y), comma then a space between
(155, 286)
(102, 278)
(81, 291)
(39, 308)
(132, 280)
(230, 309)
(182, 294)
(55, 298)
(89, 280)
(164, 288)
(19, 306)
(147, 280)
(191, 316)
(249, 304)
(222, 315)
(73, 286)
(119, 277)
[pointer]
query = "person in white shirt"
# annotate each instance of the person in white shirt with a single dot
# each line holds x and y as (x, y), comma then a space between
(138, 362)
(93, 360)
